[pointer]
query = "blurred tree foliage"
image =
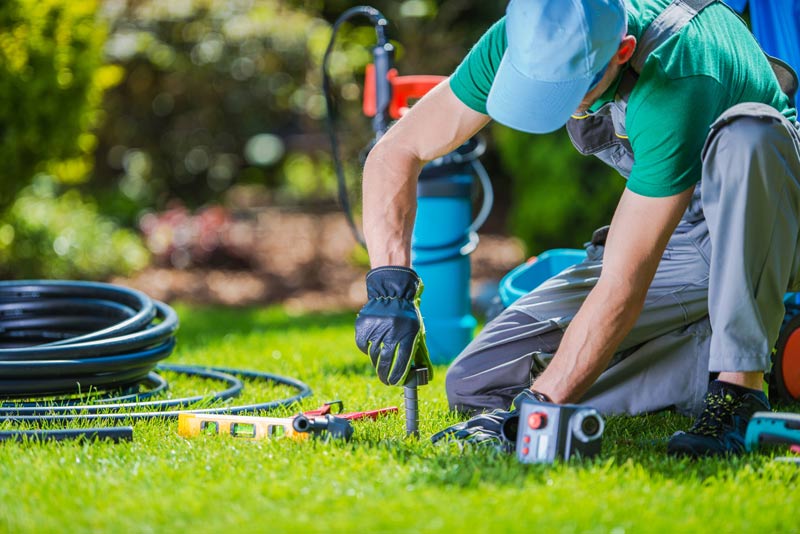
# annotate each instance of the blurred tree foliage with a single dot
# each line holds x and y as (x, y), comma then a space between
(50, 235)
(51, 81)
(219, 92)
(52, 77)
(225, 92)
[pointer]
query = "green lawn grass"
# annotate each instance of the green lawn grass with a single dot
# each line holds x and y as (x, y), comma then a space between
(380, 481)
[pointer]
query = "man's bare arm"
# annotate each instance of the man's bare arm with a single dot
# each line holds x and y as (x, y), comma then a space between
(639, 233)
(436, 125)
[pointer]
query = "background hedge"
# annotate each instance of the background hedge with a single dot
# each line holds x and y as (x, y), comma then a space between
(52, 79)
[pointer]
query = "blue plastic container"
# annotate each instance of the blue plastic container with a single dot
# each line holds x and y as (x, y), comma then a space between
(526, 277)
(440, 248)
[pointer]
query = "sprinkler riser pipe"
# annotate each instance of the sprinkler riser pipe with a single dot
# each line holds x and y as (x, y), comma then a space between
(411, 403)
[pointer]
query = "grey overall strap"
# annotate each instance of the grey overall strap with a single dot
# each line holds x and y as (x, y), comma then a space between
(787, 78)
(668, 23)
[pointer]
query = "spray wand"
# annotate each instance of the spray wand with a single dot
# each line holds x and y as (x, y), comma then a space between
(382, 54)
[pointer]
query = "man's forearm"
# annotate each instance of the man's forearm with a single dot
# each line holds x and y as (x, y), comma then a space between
(632, 254)
(389, 196)
(434, 126)
(606, 317)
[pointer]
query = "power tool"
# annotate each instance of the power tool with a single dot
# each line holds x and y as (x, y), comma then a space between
(773, 428)
(547, 432)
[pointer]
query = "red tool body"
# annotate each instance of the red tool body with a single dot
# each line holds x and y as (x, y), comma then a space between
(327, 409)
(405, 90)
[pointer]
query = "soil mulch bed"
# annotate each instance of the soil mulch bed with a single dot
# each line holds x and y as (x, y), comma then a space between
(304, 260)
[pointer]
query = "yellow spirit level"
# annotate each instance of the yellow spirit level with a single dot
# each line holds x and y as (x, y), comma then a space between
(297, 428)
(238, 426)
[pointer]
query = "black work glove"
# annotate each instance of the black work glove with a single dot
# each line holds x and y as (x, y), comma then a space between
(497, 429)
(389, 327)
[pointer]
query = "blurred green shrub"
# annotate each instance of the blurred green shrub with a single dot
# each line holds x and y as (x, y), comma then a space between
(45, 235)
(51, 82)
(216, 92)
(225, 92)
(559, 196)
(52, 79)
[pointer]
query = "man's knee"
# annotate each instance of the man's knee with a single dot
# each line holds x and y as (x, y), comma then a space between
(473, 384)
(454, 386)
(481, 383)
(496, 365)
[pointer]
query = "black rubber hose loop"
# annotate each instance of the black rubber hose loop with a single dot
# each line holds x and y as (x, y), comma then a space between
(48, 298)
(67, 339)
(156, 385)
(62, 414)
(35, 290)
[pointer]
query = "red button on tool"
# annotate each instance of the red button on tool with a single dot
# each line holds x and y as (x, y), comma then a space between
(537, 420)
(525, 451)
(526, 439)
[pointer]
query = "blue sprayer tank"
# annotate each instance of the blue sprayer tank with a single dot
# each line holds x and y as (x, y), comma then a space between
(440, 248)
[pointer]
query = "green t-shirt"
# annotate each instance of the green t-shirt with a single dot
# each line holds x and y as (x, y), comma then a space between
(710, 65)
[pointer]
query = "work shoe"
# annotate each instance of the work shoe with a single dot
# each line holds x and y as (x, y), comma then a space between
(496, 429)
(721, 427)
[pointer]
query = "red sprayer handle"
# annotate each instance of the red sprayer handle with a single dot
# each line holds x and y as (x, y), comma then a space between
(405, 90)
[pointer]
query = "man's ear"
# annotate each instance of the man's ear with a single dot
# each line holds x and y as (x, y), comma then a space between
(626, 49)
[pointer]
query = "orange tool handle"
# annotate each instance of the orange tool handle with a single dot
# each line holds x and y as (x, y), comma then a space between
(405, 90)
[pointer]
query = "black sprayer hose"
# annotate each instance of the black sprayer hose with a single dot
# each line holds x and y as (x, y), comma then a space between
(382, 52)
(67, 338)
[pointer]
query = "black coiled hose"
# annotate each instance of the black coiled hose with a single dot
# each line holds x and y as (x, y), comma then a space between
(62, 338)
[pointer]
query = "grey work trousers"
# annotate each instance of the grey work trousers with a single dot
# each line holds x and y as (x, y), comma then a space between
(715, 304)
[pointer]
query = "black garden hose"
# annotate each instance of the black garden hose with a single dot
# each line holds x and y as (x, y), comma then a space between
(57, 336)
(66, 338)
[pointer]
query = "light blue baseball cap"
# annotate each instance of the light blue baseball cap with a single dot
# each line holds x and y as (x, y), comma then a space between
(555, 50)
